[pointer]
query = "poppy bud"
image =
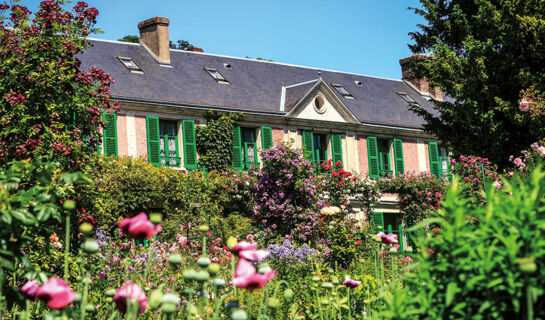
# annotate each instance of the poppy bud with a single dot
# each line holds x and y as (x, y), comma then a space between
(175, 259)
(214, 268)
(202, 276)
(204, 262)
(239, 315)
(203, 228)
(274, 302)
(155, 217)
(189, 274)
(288, 295)
(231, 242)
(85, 228)
(218, 282)
(90, 246)
(69, 204)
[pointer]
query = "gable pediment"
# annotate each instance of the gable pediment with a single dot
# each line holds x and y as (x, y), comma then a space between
(319, 102)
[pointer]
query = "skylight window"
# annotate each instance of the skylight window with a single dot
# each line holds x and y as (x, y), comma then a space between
(130, 64)
(216, 75)
(342, 91)
(407, 98)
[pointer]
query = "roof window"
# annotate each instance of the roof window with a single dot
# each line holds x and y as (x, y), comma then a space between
(407, 98)
(130, 64)
(342, 91)
(216, 75)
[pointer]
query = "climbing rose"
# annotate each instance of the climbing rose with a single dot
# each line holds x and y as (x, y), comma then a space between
(524, 104)
(248, 278)
(138, 227)
(55, 293)
(132, 292)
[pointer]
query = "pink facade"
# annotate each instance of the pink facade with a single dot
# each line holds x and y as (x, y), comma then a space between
(410, 155)
(426, 155)
(122, 141)
(278, 135)
(362, 156)
(141, 136)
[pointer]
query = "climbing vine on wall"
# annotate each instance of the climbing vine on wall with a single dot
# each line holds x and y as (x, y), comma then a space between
(214, 141)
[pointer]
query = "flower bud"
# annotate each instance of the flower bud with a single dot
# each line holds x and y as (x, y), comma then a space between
(110, 292)
(169, 298)
(316, 279)
(109, 299)
(218, 282)
(203, 228)
(327, 285)
(325, 301)
(393, 250)
(85, 228)
(155, 217)
(175, 259)
(86, 281)
(189, 274)
(288, 295)
(231, 242)
(202, 276)
(264, 268)
(409, 249)
(239, 315)
(155, 299)
(189, 291)
(69, 204)
(77, 298)
(90, 246)
(214, 268)
(335, 280)
(204, 262)
(89, 308)
(527, 265)
(274, 302)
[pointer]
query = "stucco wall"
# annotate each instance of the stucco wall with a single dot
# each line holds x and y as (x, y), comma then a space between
(410, 155)
(141, 136)
(122, 141)
(362, 155)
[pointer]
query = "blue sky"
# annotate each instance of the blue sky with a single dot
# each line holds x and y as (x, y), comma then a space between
(361, 36)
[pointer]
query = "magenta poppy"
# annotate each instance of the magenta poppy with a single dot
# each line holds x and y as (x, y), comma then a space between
(29, 289)
(254, 255)
(138, 227)
(248, 278)
(242, 246)
(55, 293)
(130, 292)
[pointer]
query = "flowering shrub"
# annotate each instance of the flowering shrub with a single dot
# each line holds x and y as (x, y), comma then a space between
(475, 172)
(286, 200)
(419, 194)
(528, 158)
(49, 108)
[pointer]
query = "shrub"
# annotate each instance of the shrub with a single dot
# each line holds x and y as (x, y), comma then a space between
(494, 269)
(474, 172)
(286, 201)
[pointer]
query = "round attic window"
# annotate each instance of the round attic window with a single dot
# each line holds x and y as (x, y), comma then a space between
(319, 105)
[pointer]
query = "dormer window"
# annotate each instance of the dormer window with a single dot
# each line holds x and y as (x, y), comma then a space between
(407, 98)
(130, 64)
(342, 91)
(216, 75)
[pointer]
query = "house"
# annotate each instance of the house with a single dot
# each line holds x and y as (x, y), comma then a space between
(362, 121)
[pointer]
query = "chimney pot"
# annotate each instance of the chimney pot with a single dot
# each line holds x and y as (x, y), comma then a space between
(154, 36)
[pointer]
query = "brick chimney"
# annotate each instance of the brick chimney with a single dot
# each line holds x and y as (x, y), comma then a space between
(420, 84)
(154, 36)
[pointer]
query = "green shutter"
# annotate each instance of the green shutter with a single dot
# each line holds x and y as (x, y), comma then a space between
(109, 136)
(434, 159)
(154, 144)
(266, 138)
(372, 152)
(190, 144)
(398, 156)
(378, 221)
(308, 145)
(336, 148)
(237, 149)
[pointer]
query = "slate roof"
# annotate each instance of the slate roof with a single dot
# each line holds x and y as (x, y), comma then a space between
(295, 93)
(253, 85)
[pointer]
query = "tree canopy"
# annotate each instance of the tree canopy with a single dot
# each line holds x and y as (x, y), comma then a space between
(488, 54)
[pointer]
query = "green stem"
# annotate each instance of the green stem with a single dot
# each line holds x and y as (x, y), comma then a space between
(66, 245)
(233, 266)
(349, 304)
(148, 262)
(84, 298)
(27, 309)
(319, 303)
(529, 302)
(189, 302)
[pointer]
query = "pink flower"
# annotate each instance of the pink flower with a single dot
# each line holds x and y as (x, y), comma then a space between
(518, 162)
(541, 150)
(132, 292)
(243, 245)
(29, 289)
(138, 227)
(253, 255)
(55, 293)
(246, 276)
(387, 238)
(350, 283)
(524, 104)
(397, 246)
(407, 259)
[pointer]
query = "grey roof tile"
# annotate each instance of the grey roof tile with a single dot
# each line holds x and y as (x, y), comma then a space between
(253, 85)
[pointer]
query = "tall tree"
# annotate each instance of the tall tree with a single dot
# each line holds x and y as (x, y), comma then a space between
(487, 54)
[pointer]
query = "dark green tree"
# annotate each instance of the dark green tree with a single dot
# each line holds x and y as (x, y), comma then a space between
(130, 38)
(487, 53)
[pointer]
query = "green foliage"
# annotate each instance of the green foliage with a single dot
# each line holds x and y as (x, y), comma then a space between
(478, 63)
(214, 141)
(182, 44)
(492, 269)
(130, 38)
(49, 108)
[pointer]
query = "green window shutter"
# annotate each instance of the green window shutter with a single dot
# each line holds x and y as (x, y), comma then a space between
(109, 135)
(434, 159)
(398, 156)
(372, 152)
(190, 144)
(378, 221)
(336, 148)
(308, 145)
(237, 149)
(266, 138)
(154, 144)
